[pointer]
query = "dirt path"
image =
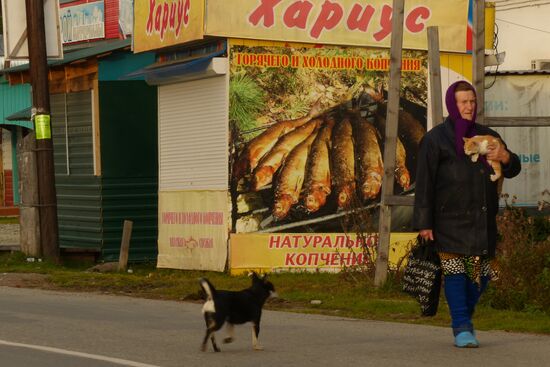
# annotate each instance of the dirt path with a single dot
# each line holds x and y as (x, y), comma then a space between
(24, 280)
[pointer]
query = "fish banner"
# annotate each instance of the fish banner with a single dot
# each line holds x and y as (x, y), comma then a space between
(307, 135)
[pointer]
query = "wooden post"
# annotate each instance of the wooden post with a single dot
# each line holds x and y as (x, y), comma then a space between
(478, 60)
(435, 76)
(29, 220)
(384, 225)
(125, 245)
(38, 70)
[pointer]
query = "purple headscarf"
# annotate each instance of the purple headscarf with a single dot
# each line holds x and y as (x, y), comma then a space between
(463, 127)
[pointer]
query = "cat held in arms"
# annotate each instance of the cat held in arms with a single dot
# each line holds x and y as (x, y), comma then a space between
(479, 145)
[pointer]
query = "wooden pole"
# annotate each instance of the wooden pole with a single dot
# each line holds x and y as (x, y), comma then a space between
(125, 245)
(384, 225)
(434, 65)
(29, 220)
(41, 116)
(478, 62)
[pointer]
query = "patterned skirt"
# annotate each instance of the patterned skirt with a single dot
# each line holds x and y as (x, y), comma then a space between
(474, 267)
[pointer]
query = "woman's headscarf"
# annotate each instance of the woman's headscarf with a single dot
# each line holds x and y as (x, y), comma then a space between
(463, 127)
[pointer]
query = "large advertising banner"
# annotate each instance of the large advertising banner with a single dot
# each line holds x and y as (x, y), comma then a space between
(163, 23)
(523, 95)
(310, 251)
(193, 230)
(339, 22)
(308, 127)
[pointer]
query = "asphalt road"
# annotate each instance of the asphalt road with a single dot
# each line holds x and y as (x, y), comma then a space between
(41, 329)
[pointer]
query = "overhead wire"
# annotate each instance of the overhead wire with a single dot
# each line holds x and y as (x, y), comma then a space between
(495, 47)
(522, 25)
(514, 7)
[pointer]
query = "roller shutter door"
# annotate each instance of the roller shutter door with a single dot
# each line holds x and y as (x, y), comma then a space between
(193, 135)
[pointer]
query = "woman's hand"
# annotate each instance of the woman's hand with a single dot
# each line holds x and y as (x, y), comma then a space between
(498, 153)
(426, 234)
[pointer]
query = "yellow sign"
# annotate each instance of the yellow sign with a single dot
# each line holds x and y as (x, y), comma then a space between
(163, 23)
(310, 251)
(193, 230)
(42, 127)
(339, 22)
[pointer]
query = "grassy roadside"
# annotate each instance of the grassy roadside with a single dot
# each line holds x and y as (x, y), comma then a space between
(340, 294)
(9, 220)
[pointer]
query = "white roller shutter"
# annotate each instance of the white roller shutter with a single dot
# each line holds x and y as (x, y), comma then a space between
(193, 135)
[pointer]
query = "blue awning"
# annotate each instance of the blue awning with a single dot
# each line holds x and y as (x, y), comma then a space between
(22, 115)
(25, 124)
(20, 118)
(162, 74)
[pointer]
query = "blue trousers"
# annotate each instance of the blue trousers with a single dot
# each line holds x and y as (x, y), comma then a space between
(462, 296)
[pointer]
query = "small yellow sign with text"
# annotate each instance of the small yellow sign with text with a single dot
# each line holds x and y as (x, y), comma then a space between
(42, 127)
(330, 252)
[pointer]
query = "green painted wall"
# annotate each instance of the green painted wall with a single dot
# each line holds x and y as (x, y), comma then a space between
(129, 161)
(14, 98)
(119, 64)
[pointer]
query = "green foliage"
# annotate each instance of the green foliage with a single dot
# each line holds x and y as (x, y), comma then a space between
(246, 100)
(524, 263)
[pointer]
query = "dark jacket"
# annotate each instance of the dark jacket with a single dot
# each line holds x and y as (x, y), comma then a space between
(454, 196)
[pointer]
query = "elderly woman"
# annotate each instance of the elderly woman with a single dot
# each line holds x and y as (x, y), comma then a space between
(456, 205)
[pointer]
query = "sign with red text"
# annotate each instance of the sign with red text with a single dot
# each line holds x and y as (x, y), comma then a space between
(163, 23)
(311, 251)
(193, 230)
(339, 22)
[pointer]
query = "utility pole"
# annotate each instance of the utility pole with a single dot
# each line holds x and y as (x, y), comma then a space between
(38, 65)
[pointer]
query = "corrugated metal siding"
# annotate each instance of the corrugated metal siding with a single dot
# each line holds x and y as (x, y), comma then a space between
(79, 211)
(132, 199)
(13, 99)
(193, 135)
(72, 115)
(111, 19)
(78, 190)
(79, 109)
(59, 132)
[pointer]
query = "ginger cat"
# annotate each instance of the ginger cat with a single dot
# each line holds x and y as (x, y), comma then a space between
(479, 144)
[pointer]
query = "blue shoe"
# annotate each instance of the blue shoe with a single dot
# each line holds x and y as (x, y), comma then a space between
(466, 339)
